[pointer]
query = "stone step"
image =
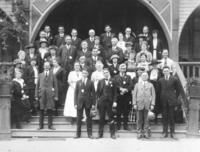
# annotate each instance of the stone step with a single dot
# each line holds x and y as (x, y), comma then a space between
(31, 133)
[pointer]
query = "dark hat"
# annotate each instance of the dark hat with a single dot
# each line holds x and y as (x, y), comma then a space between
(141, 36)
(153, 62)
(129, 44)
(114, 56)
(140, 68)
(53, 47)
(123, 65)
(31, 45)
(17, 61)
(43, 40)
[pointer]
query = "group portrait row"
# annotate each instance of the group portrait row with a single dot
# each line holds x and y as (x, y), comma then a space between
(112, 78)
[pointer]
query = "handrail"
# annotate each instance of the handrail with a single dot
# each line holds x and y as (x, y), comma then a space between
(189, 63)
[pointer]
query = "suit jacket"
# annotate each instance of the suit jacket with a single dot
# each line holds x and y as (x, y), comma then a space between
(84, 94)
(118, 51)
(92, 62)
(90, 44)
(159, 48)
(46, 90)
(114, 70)
(76, 43)
(106, 92)
(143, 95)
(67, 57)
(87, 54)
(169, 91)
(123, 82)
(129, 39)
(106, 41)
(58, 41)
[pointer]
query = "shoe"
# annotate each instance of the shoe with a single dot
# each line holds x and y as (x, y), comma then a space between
(100, 136)
(90, 136)
(146, 136)
(40, 128)
(139, 136)
(165, 135)
(52, 128)
(172, 136)
(113, 137)
(77, 136)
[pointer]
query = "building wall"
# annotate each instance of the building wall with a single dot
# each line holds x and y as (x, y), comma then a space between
(6, 6)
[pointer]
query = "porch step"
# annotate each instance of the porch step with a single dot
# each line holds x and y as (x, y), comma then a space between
(68, 131)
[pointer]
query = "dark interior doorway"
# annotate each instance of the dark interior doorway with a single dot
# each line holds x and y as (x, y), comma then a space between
(86, 14)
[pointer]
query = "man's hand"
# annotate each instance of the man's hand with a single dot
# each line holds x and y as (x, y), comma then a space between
(135, 107)
(114, 104)
(36, 99)
(75, 106)
(56, 98)
(152, 107)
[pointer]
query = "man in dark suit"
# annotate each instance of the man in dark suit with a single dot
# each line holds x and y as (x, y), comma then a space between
(76, 41)
(156, 46)
(84, 98)
(91, 39)
(146, 34)
(124, 87)
(67, 54)
(49, 37)
(107, 99)
(106, 37)
(59, 39)
(84, 51)
(46, 93)
(128, 37)
(169, 87)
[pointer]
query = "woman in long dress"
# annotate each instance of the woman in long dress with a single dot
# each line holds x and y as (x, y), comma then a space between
(73, 77)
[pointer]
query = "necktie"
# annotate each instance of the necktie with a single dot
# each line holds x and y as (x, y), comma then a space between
(165, 62)
(46, 74)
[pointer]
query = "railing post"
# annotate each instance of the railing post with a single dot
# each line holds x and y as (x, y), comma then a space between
(194, 105)
(5, 126)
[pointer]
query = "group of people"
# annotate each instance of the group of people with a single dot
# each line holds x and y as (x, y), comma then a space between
(107, 74)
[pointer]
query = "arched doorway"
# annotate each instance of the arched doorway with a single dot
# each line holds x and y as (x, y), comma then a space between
(190, 37)
(87, 14)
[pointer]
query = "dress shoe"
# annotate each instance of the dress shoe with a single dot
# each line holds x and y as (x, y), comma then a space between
(172, 136)
(125, 127)
(40, 128)
(165, 135)
(100, 136)
(90, 136)
(139, 136)
(52, 128)
(77, 136)
(113, 137)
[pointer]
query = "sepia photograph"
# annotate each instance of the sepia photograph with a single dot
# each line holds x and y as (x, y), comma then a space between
(99, 75)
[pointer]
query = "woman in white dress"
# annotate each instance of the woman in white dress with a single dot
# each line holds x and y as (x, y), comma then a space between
(121, 43)
(73, 77)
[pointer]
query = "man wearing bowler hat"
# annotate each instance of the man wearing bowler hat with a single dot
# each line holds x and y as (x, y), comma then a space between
(124, 87)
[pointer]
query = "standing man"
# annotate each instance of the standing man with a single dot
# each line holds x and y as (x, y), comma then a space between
(143, 100)
(84, 99)
(59, 39)
(124, 87)
(76, 41)
(169, 87)
(67, 54)
(107, 100)
(46, 93)
(91, 39)
(49, 36)
(106, 37)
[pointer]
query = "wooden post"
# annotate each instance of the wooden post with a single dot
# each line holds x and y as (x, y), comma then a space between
(193, 123)
(194, 105)
(5, 127)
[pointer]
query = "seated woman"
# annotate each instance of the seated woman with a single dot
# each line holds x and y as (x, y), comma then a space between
(131, 66)
(121, 43)
(143, 62)
(19, 108)
(73, 77)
